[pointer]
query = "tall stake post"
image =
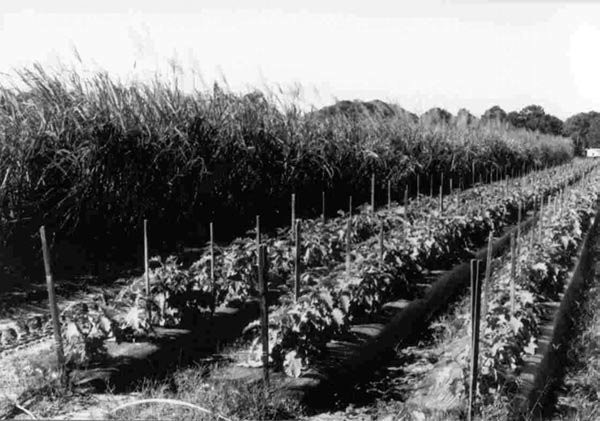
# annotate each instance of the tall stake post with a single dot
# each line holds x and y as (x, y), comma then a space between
(147, 271)
(257, 244)
(350, 207)
(472, 173)
(475, 315)
(418, 188)
(441, 199)
(389, 192)
(264, 315)
(293, 214)
(381, 247)
(60, 354)
(488, 274)
(323, 206)
(373, 192)
(348, 233)
(405, 200)
(212, 270)
(297, 263)
(513, 272)
(431, 186)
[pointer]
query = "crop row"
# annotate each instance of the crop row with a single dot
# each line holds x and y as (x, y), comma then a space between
(416, 237)
(331, 304)
(544, 263)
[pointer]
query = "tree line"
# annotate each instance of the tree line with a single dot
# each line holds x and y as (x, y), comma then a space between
(583, 128)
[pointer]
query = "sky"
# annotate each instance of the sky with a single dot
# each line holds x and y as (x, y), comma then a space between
(420, 54)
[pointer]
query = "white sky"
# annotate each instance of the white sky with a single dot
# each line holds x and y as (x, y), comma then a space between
(420, 54)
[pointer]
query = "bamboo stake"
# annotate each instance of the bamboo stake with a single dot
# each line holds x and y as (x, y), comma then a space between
(60, 354)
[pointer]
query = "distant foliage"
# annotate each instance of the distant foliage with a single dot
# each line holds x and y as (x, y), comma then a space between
(435, 117)
(494, 114)
(584, 129)
(533, 117)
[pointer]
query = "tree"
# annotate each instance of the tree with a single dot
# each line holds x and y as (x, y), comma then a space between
(584, 129)
(435, 116)
(494, 114)
(533, 117)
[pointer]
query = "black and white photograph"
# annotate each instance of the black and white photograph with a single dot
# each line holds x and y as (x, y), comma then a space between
(240, 210)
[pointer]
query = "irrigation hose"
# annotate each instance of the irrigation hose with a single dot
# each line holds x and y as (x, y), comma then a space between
(170, 402)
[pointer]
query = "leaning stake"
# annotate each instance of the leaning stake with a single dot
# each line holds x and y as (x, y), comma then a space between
(60, 354)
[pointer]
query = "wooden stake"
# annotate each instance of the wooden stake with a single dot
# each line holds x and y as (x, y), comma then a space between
(472, 173)
(488, 274)
(264, 315)
(381, 247)
(451, 188)
(389, 192)
(212, 269)
(431, 186)
(348, 234)
(405, 200)
(513, 272)
(60, 354)
(293, 214)
(323, 206)
(297, 263)
(475, 315)
(418, 187)
(147, 272)
(519, 217)
(441, 200)
(350, 207)
(373, 192)
(257, 244)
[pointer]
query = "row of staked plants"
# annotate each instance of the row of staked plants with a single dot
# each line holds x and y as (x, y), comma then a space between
(417, 236)
(90, 157)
